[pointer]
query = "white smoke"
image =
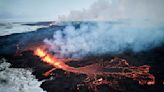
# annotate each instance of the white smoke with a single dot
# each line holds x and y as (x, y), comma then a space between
(17, 80)
(101, 38)
(107, 10)
(138, 26)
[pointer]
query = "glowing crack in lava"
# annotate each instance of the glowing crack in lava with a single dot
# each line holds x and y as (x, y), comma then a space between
(116, 68)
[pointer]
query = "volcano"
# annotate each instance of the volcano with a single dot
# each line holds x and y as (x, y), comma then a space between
(122, 72)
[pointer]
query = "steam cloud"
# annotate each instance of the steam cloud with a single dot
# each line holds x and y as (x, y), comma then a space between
(142, 31)
(101, 38)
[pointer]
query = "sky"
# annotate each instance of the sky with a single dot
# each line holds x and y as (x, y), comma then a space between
(39, 10)
(54, 10)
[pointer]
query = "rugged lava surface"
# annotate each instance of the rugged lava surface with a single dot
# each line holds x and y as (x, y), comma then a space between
(92, 74)
(106, 73)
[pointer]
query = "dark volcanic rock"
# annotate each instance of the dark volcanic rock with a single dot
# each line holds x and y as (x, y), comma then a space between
(61, 81)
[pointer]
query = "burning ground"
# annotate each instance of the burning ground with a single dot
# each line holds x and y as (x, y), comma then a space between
(61, 70)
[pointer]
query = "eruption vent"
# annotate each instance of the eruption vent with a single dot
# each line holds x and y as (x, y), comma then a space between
(49, 59)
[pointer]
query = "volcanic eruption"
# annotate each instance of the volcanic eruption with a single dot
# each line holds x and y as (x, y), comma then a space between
(111, 46)
(117, 68)
(79, 70)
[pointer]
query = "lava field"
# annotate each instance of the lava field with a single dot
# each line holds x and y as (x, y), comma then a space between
(124, 72)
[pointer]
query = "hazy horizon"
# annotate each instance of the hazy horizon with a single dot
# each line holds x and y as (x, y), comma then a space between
(81, 10)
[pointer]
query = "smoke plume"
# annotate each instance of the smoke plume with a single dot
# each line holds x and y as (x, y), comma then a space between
(102, 38)
(138, 27)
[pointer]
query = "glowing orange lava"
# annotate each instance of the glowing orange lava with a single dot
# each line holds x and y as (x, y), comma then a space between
(49, 58)
(120, 67)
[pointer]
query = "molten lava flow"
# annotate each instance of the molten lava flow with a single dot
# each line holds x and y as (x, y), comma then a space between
(46, 74)
(49, 59)
(115, 68)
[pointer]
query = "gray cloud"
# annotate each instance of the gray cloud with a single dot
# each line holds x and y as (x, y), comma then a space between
(105, 10)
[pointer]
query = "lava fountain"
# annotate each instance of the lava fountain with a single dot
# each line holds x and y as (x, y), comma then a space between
(49, 59)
